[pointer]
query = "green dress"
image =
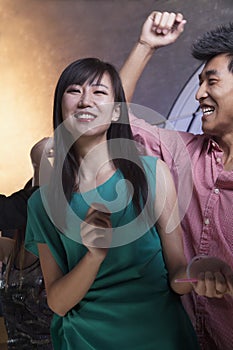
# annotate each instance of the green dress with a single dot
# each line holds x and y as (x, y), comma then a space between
(130, 305)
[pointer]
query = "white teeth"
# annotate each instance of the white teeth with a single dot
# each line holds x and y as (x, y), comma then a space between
(84, 116)
(207, 110)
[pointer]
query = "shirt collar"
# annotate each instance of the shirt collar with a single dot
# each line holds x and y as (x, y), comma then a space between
(212, 145)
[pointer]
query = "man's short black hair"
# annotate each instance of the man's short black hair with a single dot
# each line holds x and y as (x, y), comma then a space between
(215, 42)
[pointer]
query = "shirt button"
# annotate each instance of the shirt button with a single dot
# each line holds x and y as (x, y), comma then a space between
(216, 190)
(219, 160)
(206, 221)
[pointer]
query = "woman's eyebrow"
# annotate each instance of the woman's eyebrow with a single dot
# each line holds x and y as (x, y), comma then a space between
(99, 84)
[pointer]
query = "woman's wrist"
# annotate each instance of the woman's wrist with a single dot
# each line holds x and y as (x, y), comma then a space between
(97, 256)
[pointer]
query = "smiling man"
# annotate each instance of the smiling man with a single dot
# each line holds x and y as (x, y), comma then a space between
(215, 96)
(202, 165)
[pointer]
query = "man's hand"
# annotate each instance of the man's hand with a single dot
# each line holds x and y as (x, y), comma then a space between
(44, 147)
(161, 29)
(215, 277)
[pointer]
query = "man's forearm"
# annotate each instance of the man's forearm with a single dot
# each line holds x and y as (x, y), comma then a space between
(134, 66)
(159, 30)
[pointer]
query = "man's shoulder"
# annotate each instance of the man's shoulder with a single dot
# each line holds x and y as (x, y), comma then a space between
(184, 137)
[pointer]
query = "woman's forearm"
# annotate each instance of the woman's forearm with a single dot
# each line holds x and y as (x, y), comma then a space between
(66, 292)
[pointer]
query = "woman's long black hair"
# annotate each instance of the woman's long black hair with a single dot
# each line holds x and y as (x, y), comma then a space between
(129, 162)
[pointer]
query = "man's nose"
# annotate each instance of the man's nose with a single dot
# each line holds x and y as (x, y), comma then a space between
(201, 92)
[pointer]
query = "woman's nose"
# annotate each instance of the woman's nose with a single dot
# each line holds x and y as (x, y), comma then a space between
(85, 101)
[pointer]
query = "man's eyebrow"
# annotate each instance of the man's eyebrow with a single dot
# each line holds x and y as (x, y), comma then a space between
(99, 84)
(208, 73)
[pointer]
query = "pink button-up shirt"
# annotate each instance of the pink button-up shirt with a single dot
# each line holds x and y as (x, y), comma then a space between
(205, 193)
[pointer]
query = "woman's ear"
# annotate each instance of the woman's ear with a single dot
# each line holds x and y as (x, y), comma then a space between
(116, 112)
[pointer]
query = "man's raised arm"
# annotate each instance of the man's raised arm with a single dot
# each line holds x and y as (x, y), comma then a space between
(160, 29)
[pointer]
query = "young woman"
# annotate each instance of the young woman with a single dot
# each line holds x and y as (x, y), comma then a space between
(107, 229)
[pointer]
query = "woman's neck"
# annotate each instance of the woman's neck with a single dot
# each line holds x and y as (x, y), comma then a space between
(95, 165)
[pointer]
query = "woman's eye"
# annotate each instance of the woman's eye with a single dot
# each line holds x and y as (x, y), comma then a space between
(74, 91)
(100, 92)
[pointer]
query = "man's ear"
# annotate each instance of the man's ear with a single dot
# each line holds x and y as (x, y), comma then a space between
(116, 112)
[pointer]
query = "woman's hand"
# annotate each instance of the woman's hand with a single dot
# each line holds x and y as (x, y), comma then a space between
(96, 230)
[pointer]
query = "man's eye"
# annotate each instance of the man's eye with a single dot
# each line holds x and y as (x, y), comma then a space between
(212, 81)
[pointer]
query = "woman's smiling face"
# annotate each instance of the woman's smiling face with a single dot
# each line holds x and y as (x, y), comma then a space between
(89, 109)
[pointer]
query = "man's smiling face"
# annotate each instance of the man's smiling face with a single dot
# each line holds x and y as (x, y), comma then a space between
(215, 96)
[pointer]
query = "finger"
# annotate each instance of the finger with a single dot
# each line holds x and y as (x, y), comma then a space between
(168, 22)
(210, 284)
(200, 287)
(100, 207)
(156, 17)
(220, 283)
(164, 19)
(229, 279)
(163, 22)
(89, 216)
(97, 219)
(179, 17)
(101, 222)
(179, 23)
(228, 275)
(178, 27)
(97, 209)
(211, 290)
